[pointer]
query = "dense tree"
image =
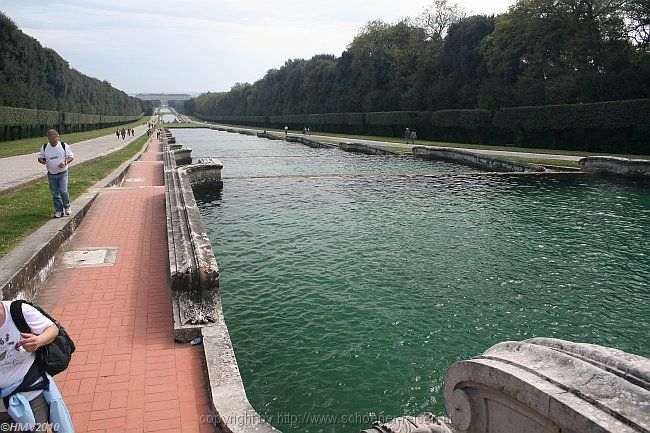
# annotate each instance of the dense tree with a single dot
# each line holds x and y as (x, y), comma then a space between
(566, 51)
(539, 52)
(35, 77)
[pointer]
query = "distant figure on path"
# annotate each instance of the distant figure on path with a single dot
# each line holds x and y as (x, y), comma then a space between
(117, 133)
(414, 137)
(308, 130)
(286, 130)
(123, 133)
(56, 156)
(407, 135)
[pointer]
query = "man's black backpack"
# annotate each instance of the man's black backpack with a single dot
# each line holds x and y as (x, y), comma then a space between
(54, 357)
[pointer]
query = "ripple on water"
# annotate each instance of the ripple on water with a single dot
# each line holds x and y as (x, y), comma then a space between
(352, 296)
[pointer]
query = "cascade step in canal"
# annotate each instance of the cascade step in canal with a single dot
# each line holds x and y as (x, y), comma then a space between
(350, 283)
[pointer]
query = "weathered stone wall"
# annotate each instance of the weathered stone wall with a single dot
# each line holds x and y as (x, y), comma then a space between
(617, 166)
(309, 142)
(465, 157)
(367, 149)
(195, 294)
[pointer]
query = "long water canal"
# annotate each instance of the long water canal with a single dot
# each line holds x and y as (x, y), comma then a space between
(349, 289)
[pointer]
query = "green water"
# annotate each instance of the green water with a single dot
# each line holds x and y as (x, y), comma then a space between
(347, 298)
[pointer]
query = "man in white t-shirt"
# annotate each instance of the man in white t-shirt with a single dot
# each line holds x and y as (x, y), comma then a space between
(56, 156)
(17, 354)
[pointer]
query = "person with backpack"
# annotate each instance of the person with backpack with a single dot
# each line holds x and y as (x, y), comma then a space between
(56, 156)
(29, 397)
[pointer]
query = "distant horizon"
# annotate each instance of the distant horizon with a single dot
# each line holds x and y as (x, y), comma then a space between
(212, 44)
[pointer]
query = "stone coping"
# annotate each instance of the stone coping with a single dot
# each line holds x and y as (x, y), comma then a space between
(366, 148)
(616, 165)
(25, 268)
(309, 142)
(196, 295)
(465, 157)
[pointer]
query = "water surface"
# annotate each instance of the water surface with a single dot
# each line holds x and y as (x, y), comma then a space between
(348, 297)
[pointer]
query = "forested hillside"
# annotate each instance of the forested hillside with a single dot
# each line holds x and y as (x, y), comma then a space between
(540, 52)
(32, 76)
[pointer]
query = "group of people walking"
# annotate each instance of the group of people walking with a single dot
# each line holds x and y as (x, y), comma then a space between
(410, 136)
(124, 132)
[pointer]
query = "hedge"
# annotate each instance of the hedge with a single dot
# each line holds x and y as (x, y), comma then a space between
(17, 123)
(614, 126)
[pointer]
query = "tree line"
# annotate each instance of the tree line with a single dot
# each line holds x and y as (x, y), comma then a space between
(540, 52)
(35, 77)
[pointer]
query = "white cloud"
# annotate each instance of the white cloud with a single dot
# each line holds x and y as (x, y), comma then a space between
(199, 45)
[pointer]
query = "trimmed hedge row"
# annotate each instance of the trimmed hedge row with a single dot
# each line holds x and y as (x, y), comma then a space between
(616, 126)
(18, 123)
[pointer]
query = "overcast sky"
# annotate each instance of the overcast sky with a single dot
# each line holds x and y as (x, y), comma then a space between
(202, 45)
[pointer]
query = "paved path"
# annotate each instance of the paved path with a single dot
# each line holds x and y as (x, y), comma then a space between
(16, 170)
(127, 374)
(408, 146)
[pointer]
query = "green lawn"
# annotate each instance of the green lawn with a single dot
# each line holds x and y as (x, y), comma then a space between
(26, 209)
(456, 145)
(29, 145)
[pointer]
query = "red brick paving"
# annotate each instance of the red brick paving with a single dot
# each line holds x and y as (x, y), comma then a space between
(127, 374)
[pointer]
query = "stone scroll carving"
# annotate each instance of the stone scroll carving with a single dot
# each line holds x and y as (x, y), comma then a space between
(546, 385)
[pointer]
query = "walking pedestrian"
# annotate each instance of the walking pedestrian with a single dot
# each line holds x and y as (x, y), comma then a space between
(286, 130)
(407, 136)
(117, 133)
(123, 133)
(56, 155)
(22, 409)
(414, 137)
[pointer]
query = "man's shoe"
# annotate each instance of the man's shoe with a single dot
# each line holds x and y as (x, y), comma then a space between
(66, 211)
(57, 214)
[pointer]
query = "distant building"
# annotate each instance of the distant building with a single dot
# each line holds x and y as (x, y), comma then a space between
(163, 97)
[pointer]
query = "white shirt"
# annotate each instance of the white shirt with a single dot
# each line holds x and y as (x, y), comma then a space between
(54, 156)
(15, 362)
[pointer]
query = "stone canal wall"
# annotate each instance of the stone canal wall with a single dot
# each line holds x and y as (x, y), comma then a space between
(365, 148)
(465, 157)
(196, 297)
(617, 166)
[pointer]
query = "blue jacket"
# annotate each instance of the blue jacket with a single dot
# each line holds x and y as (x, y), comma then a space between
(21, 412)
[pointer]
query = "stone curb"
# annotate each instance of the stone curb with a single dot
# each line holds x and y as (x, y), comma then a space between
(366, 148)
(615, 165)
(196, 297)
(25, 268)
(465, 157)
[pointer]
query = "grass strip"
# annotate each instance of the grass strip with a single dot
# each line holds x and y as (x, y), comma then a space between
(448, 144)
(30, 145)
(25, 210)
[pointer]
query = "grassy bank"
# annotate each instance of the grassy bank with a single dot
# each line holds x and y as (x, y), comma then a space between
(30, 145)
(26, 209)
(449, 144)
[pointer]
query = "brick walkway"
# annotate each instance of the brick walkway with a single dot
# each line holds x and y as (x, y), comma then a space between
(127, 374)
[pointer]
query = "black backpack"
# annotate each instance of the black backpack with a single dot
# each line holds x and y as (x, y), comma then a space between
(54, 357)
